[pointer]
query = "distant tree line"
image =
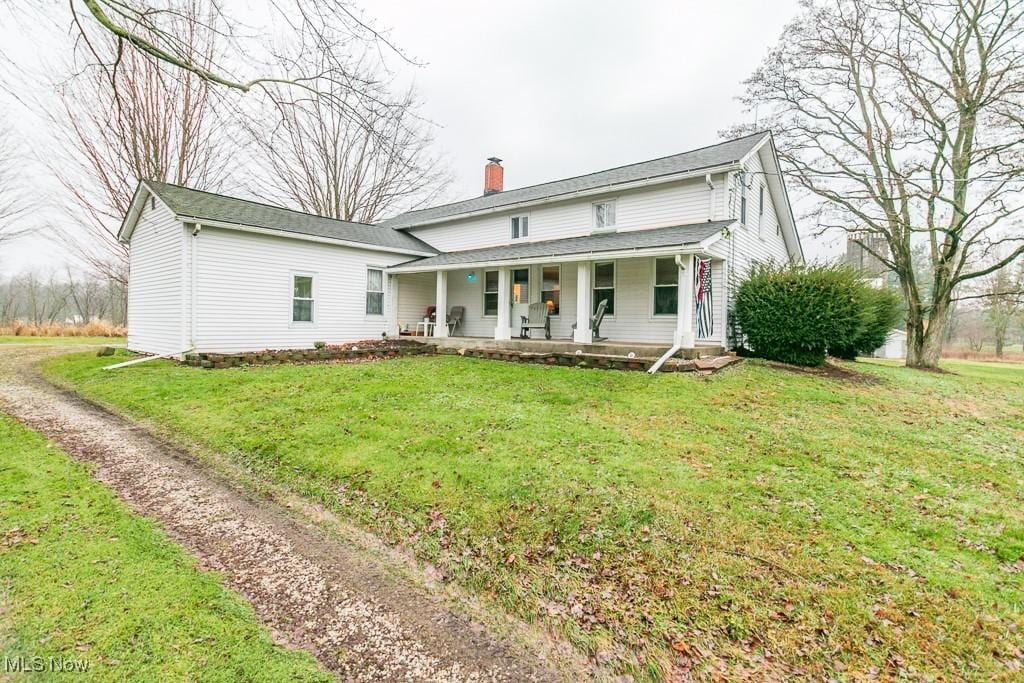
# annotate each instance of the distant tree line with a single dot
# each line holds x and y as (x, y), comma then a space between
(65, 298)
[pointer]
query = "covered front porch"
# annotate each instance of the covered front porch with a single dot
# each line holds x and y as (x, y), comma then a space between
(641, 293)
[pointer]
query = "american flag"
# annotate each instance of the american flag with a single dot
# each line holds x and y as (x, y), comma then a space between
(705, 302)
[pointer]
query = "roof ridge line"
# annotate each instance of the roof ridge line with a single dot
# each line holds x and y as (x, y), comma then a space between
(766, 131)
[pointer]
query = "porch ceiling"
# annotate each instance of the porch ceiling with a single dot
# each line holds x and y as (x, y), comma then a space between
(681, 237)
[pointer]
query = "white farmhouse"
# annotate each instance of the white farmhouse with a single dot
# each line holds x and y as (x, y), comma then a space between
(210, 273)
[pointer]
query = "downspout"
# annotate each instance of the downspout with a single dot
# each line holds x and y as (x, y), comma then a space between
(677, 346)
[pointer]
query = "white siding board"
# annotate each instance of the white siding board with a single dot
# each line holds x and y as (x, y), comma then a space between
(754, 242)
(659, 206)
(156, 266)
(244, 287)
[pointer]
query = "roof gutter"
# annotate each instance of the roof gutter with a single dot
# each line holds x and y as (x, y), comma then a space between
(634, 184)
(636, 252)
(206, 223)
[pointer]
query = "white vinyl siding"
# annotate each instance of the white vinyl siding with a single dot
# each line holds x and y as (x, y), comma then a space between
(244, 286)
(158, 287)
(760, 242)
(678, 203)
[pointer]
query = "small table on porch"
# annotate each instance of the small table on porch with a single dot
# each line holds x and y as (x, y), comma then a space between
(427, 328)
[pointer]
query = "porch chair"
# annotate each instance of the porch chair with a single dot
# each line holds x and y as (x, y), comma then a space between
(595, 321)
(539, 318)
(455, 319)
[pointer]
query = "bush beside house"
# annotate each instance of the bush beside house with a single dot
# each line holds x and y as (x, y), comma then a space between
(798, 314)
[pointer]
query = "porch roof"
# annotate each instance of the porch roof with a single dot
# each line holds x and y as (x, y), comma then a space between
(587, 247)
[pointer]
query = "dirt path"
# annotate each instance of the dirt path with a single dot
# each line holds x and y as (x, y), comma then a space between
(344, 604)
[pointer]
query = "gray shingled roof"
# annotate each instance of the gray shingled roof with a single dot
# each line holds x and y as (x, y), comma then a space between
(706, 157)
(609, 242)
(185, 201)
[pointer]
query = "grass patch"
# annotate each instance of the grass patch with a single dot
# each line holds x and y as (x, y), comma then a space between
(756, 522)
(84, 579)
(13, 339)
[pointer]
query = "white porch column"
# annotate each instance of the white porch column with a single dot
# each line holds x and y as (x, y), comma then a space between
(391, 306)
(584, 304)
(502, 329)
(441, 302)
(684, 314)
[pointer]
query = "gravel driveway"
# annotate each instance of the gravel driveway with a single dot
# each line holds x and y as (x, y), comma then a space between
(348, 605)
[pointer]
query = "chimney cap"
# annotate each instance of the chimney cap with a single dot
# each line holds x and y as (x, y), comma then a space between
(494, 160)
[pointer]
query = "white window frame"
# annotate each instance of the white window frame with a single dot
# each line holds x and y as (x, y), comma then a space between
(541, 289)
(382, 292)
(484, 293)
(615, 216)
(655, 285)
(593, 286)
(513, 226)
(292, 298)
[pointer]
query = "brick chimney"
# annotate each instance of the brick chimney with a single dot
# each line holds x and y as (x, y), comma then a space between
(494, 176)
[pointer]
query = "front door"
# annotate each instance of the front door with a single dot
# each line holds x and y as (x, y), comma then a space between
(520, 296)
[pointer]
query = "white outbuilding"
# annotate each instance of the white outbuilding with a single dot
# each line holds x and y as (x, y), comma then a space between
(895, 345)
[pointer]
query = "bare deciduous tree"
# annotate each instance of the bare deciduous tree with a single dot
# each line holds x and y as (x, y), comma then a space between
(905, 119)
(12, 203)
(136, 120)
(1003, 301)
(333, 33)
(318, 158)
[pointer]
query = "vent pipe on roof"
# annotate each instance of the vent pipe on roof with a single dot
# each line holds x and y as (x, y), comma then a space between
(494, 176)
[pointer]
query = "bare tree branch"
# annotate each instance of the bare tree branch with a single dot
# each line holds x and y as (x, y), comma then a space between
(905, 119)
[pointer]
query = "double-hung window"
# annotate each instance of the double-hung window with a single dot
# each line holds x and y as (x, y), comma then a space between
(551, 288)
(302, 298)
(604, 286)
(374, 291)
(491, 292)
(604, 215)
(520, 227)
(666, 286)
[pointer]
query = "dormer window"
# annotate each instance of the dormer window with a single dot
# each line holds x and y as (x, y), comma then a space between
(520, 227)
(604, 215)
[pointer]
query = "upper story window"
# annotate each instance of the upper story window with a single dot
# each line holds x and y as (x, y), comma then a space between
(302, 299)
(604, 215)
(760, 200)
(374, 291)
(520, 227)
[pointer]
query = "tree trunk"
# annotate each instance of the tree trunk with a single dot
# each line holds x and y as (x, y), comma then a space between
(925, 337)
(999, 346)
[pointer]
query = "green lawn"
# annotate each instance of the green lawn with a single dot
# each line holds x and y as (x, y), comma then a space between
(755, 522)
(10, 339)
(84, 579)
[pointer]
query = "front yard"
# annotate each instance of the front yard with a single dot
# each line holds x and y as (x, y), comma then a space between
(758, 521)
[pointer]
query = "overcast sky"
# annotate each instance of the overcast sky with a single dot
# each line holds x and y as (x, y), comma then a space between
(554, 88)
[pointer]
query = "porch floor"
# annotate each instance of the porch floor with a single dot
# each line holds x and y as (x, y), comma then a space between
(609, 347)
